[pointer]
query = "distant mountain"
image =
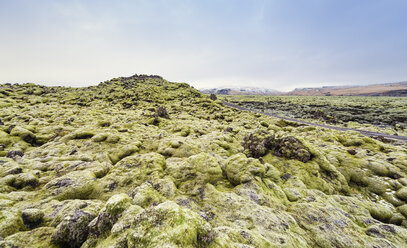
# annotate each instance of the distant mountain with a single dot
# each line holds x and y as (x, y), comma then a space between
(241, 91)
(388, 89)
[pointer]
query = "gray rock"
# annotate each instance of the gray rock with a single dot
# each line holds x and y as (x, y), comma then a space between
(73, 230)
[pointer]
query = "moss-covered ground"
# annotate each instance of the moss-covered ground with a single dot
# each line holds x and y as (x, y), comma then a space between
(143, 162)
(378, 114)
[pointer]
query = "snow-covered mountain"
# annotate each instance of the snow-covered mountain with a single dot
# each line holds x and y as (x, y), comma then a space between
(236, 90)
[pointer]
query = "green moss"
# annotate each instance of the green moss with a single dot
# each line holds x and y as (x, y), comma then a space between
(24, 134)
(376, 186)
(10, 222)
(292, 194)
(390, 197)
(402, 193)
(113, 139)
(379, 169)
(24, 179)
(145, 195)
(195, 171)
(240, 169)
(39, 237)
(136, 169)
(32, 217)
(396, 219)
(185, 147)
(74, 185)
(178, 227)
(123, 152)
(5, 138)
(272, 172)
(81, 134)
(56, 211)
(117, 204)
(380, 212)
(104, 123)
(126, 219)
(403, 210)
(100, 137)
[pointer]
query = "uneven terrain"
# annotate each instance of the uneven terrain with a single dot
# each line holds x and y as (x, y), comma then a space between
(380, 114)
(143, 162)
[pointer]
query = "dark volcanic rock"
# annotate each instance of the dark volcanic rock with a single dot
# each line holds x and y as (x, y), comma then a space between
(260, 143)
(73, 230)
(161, 112)
(14, 154)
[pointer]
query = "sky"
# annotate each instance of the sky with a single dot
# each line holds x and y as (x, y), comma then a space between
(277, 44)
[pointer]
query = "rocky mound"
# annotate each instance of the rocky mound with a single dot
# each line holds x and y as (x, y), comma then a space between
(143, 162)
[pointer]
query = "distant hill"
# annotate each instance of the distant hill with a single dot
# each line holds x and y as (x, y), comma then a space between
(241, 91)
(388, 89)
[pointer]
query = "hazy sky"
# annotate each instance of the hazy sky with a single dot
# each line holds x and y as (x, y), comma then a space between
(280, 44)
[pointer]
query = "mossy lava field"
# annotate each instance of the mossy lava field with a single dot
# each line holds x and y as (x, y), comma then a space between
(380, 114)
(143, 162)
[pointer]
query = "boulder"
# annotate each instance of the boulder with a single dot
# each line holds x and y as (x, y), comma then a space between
(10, 222)
(195, 171)
(73, 230)
(240, 169)
(32, 217)
(402, 193)
(74, 185)
(169, 225)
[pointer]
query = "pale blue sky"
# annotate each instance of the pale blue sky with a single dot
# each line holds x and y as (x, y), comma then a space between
(280, 44)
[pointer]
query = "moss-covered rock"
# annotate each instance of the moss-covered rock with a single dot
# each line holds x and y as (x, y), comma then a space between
(177, 227)
(240, 169)
(195, 171)
(81, 134)
(73, 230)
(107, 217)
(397, 219)
(23, 180)
(74, 185)
(292, 194)
(146, 195)
(391, 198)
(123, 152)
(32, 217)
(378, 169)
(327, 226)
(376, 186)
(259, 143)
(39, 237)
(179, 147)
(126, 219)
(380, 212)
(10, 222)
(403, 210)
(100, 137)
(117, 204)
(402, 193)
(24, 134)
